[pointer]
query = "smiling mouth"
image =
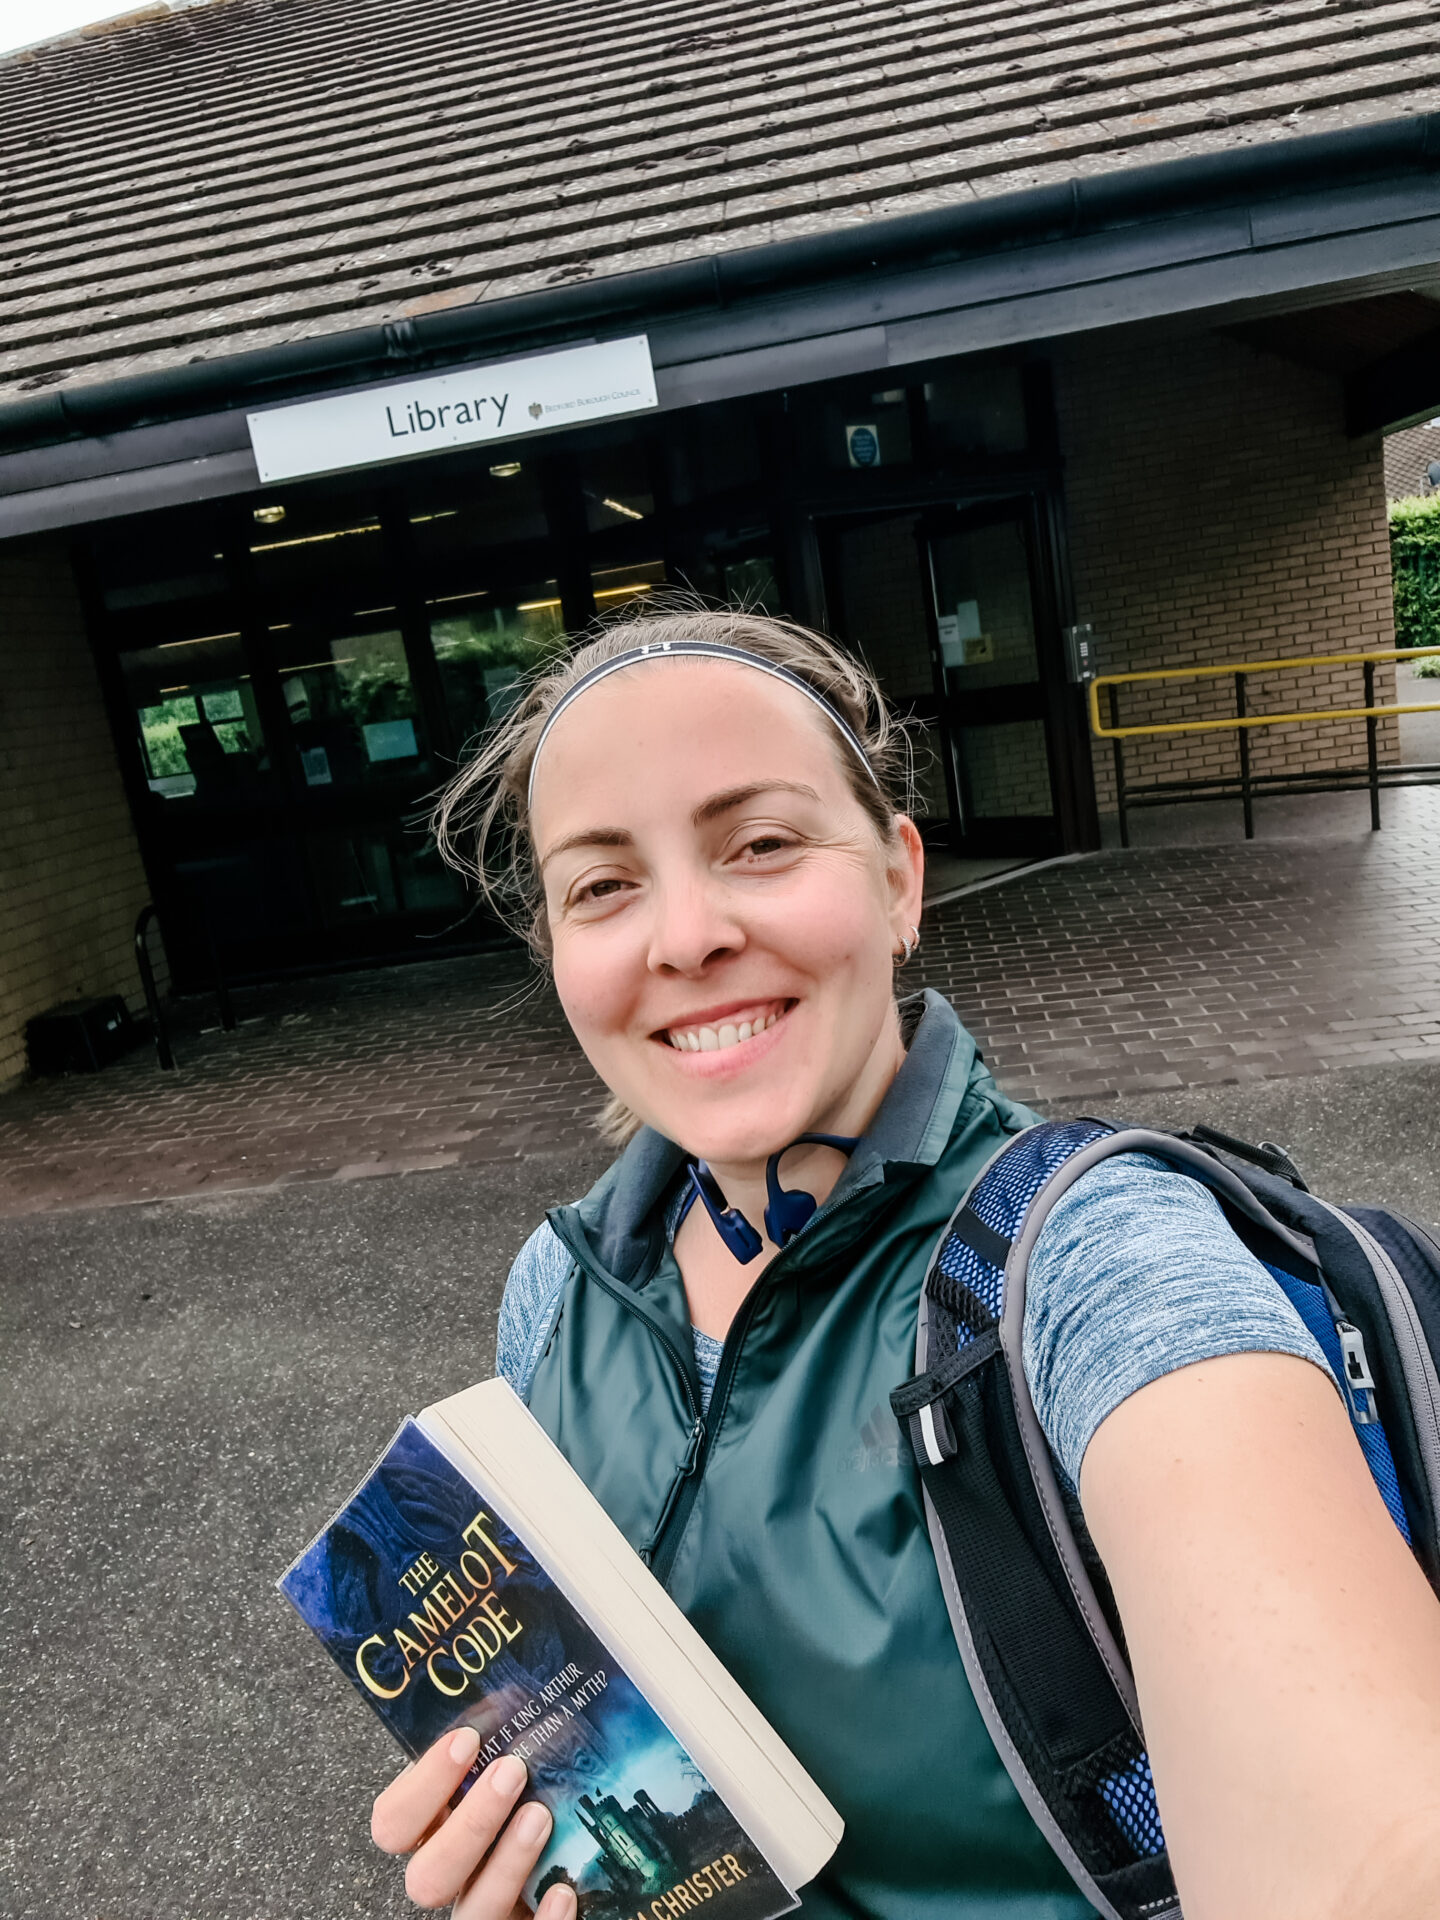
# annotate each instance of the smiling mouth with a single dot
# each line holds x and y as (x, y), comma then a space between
(716, 1036)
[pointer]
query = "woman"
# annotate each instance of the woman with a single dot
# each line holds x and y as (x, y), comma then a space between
(706, 826)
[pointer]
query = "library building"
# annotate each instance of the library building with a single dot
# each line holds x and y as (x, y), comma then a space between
(326, 416)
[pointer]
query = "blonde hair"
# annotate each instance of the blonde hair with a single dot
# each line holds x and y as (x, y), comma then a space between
(481, 821)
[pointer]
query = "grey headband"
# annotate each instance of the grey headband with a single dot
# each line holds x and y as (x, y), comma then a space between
(699, 650)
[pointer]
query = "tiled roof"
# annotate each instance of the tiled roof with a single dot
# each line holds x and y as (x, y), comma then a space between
(251, 172)
(1409, 455)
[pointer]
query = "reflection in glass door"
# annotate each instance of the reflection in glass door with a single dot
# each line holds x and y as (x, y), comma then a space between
(941, 604)
(979, 576)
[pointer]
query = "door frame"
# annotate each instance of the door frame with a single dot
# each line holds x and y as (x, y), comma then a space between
(1075, 826)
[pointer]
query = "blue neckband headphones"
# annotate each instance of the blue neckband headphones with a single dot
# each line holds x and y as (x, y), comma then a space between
(785, 1213)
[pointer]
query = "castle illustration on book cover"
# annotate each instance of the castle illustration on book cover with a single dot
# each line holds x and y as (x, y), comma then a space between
(441, 1617)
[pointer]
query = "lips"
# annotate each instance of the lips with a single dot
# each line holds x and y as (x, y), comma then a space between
(716, 1032)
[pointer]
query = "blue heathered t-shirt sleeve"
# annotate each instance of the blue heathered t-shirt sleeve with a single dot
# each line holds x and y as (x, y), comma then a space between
(1136, 1273)
(530, 1306)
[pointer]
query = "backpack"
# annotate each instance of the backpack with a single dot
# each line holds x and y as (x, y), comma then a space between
(1032, 1615)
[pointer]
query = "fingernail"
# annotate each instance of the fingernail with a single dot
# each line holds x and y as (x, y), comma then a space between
(532, 1823)
(464, 1746)
(558, 1904)
(508, 1775)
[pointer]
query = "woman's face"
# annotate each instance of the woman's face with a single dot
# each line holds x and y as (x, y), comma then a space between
(722, 911)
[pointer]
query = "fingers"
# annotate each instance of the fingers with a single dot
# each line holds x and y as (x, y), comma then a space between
(444, 1864)
(494, 1893)
(412, 1803)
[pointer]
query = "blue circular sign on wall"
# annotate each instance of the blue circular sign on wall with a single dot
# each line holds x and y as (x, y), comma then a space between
(864, 447)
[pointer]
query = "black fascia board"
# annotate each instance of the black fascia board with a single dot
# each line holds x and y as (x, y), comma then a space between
(1072, 210)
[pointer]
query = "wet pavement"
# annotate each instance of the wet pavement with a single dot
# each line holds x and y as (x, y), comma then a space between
(1214, 962)
(215, 1307)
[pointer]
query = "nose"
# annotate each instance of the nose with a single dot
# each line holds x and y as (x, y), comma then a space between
(693, 926)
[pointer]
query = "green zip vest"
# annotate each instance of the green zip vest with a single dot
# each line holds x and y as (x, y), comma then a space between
(788, 1522)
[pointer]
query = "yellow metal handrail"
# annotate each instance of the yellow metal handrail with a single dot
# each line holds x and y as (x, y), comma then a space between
(1258, 719)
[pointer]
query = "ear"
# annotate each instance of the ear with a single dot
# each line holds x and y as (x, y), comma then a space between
(906, 873)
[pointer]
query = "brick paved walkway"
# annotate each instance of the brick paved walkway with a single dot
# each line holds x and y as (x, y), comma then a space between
(1160, 968)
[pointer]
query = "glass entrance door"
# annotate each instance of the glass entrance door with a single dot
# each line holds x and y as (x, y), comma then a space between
(942, 604)
(978, 574)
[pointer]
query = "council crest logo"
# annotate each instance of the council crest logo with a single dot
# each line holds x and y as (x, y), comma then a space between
(536, 409)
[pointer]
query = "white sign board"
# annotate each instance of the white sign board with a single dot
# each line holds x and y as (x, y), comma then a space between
(462, 409)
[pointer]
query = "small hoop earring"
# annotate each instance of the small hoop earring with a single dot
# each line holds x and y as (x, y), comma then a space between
(908, 948)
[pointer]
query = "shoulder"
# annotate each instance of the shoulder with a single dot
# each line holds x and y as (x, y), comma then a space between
(530, 1305)
(1135, 1274)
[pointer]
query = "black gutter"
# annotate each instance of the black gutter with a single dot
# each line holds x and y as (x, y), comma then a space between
(1128, 197)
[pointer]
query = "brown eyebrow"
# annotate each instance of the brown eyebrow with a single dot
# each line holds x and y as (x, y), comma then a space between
(589, 837)
(733, 797)
(708, 810)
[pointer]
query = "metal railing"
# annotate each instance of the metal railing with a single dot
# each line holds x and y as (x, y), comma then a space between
(159, 1020)
(1247, 785)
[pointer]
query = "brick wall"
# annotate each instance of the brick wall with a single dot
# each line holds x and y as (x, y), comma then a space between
(1219, 512)
(71, 882)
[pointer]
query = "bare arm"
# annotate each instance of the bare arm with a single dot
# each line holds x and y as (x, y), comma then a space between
(1286, 1646)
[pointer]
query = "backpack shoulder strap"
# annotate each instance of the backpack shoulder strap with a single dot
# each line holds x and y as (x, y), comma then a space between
(1046, 1670)
(1043, 1659)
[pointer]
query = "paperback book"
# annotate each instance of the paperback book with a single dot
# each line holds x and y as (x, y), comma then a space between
(473, 1580)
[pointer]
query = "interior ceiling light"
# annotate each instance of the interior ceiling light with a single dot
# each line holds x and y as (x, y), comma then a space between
(506, 470)
(619, 506)
(200, 640)
(269, 516)
(534, 606)
(423, 519)
(613, 593)
(314, 539)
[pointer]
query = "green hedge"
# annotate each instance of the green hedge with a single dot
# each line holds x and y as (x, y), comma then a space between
(1415, 562)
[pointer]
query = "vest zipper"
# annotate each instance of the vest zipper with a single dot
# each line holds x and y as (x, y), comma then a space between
(660, 1549)
(664, 1543)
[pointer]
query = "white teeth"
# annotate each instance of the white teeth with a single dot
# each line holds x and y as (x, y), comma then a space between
(716, 1039)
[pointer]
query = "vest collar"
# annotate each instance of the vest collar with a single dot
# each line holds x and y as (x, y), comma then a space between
(621, 1220)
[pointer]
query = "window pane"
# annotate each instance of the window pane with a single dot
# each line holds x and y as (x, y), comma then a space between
(1005, 770)
(484, 652)
(977, 410)
(449, 527)
(983, 608)
(364, 876)
(353, 713)
(614, 586)
(323, 555)
(616, 484)
(200, 733)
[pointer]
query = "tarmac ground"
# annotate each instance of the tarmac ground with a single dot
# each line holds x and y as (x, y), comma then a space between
(188, 1387)
(221, 1289)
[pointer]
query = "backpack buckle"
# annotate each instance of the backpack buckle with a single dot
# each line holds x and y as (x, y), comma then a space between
(919, 1405)
(1359, 1381)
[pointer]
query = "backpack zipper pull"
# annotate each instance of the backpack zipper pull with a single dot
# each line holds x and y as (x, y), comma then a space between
(1359, 1381)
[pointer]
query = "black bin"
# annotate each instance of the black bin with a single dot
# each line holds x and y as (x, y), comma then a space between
(80, 1036)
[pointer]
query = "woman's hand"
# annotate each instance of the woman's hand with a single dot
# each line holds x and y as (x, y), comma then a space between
(477, 1857)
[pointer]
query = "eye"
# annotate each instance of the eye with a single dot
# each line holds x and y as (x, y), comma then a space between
(597, 890)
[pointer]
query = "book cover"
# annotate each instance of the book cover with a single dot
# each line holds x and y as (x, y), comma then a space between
(440, 1616)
